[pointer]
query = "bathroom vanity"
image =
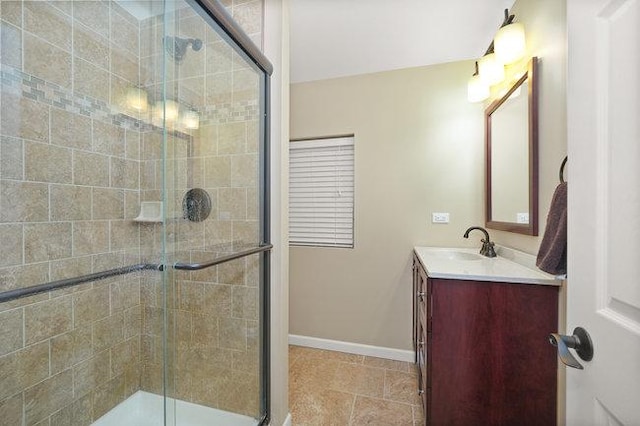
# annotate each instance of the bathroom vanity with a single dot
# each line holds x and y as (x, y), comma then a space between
(481, 330)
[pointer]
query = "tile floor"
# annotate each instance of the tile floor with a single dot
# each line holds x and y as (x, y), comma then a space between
(342, 389)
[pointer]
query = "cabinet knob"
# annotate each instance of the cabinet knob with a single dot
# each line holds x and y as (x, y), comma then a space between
(420, 391)
(421, 343)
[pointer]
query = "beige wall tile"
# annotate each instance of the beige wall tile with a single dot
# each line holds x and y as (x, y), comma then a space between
(218, 88)
(12, 244)
(132, 139)
(65, 6)
(249, 16)
(125, 173)
(24, 368)
(48, 396)
(108, 203)
(47, 163)
(246, 232)
(152, 320)
(125, 64)
(124, 34)
(205, 329)
(70, 202)
(123, 13)
(93, 14)
(245, 302)
(205, 144)
(108, 138)
(132, 322)
(91, 46)
(125, 354)
(108, 395)
(45, 21)
(253, 136)
(70, 348)
(232, 203)
(90, 306)
(11, 158)
(91, 373)
(12, 12)
(90, 80)
(33, 205)
(245, 86)
(47, 241)
(11, 325)
(46, 61)
(218, 57)
(47, 319)
(11, 410)
(108, 332)
(10, 45)
(22, 276)
(244, 170)
(90, 237)
(217, 172)
(70, 130)
(76, 413)
(24, 118)
(90, 169)
(233, 333)
(132, 207)
(232, 138)
(124, 234)
(125, 294)
(240, 394)
(232, 272)
(68, 268)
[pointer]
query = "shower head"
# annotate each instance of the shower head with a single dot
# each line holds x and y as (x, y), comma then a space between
(177, 47)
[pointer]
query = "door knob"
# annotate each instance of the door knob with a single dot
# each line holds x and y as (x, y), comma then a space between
(580, 341)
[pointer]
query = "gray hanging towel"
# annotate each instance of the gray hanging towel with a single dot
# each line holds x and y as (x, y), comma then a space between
(552, 255)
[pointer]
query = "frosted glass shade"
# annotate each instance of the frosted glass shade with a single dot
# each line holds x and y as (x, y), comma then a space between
(491, 70)
(137, 99)
(477, 89)
(190, 119)
(509, 43)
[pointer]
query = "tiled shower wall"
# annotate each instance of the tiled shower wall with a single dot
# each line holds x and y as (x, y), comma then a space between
(75, 162)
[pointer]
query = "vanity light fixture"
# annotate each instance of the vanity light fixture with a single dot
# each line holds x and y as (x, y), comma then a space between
(491, 70)
(190, 119)
(509, 43)
(137, 99)
(507, 47)
(477, 88)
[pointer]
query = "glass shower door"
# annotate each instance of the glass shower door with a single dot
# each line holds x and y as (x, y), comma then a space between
(215, 231)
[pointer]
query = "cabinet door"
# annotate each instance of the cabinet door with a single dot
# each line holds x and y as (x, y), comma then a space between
(491, 361)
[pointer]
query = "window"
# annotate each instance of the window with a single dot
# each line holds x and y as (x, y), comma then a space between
(321, 192)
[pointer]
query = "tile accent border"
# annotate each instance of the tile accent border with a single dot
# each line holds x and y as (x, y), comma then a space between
(353, 348)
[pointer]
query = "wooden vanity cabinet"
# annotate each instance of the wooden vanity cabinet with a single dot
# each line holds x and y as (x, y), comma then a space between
(482, 351)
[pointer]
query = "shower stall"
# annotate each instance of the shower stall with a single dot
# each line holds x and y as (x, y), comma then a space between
(134, 226)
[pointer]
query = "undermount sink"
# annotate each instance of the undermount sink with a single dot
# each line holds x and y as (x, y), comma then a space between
(456, 255)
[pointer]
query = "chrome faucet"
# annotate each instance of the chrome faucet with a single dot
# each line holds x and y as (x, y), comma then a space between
(487, 246)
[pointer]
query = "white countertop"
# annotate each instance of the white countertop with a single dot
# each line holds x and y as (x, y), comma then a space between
(498, 269)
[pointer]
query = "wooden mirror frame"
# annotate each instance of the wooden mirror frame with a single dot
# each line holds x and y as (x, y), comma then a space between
(532, 227)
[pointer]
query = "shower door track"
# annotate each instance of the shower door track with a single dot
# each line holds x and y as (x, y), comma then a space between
(7, 296)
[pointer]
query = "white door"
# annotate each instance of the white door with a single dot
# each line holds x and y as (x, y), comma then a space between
(604, 208)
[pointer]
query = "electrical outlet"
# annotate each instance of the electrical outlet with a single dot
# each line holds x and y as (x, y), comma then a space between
(522, 217)
(439, 217)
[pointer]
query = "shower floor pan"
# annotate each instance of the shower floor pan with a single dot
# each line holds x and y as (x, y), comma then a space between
(146, 409)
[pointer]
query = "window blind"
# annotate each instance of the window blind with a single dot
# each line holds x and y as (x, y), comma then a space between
(321, 188)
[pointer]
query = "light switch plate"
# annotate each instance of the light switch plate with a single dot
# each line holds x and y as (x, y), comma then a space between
(439, 217)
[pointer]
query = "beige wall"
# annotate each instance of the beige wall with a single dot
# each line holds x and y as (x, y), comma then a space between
(419, 149)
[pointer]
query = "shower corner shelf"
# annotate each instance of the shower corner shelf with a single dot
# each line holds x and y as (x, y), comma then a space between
(150, 211)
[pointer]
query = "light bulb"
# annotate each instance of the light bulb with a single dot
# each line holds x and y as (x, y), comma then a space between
(490, 69)
(190, 119)
(137, 99)
(167, 110)
(477, 89)
(509, 43)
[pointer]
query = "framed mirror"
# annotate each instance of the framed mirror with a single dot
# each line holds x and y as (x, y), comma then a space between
(511, 137)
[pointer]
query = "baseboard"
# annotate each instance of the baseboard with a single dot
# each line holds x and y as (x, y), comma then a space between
(287, 421)
(354, 348)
